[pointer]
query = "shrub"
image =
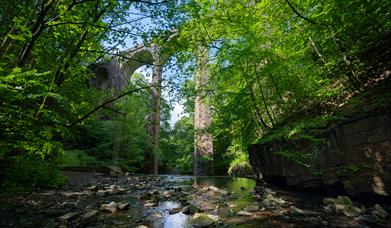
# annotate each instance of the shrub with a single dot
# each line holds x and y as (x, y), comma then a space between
(76, 158)
(240, 166)
(28, 172)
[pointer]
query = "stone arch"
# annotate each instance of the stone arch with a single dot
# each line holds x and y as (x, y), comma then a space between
(117, 73)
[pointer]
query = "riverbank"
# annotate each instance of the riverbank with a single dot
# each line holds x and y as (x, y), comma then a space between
(181, 201)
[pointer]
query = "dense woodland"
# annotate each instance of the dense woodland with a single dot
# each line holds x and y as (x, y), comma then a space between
(277, 69)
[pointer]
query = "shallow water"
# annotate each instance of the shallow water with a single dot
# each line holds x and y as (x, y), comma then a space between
(160, 217)
(233, 201)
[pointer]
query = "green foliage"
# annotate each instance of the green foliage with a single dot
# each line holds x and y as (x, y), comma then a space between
(76, 158)
(30, 171)
(351, 168)
(119, 135)
(27, 126)
(302, 158)
(177, 146)
(279, 71)
(184, 164)
(300, 129)
(240, 166)
(47, 49)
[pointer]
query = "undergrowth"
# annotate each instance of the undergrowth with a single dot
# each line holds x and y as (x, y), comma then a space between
(29, 172)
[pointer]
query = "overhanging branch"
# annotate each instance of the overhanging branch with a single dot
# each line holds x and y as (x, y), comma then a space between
(81, 119)
(302, 16)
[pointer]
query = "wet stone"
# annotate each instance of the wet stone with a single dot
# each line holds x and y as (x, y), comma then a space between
(203, 220)
(119, 190)
(343, 200)
(351, 211)
(167, 194)
(92, 188)
(68, 216)
(190, 209)
(252, 208)
(89, 217)
(118, 223)
(110, 207)
(144, 195)
(154, 217)
(123, 206)
(153, 192)
(245, 213)
(328, 201)
(231, 205)
(379, 212)
(101, 193)
(298, 211)
(152, 204)
(328, 209)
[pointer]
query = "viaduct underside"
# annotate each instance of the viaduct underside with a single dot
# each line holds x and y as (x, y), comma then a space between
(116, 74)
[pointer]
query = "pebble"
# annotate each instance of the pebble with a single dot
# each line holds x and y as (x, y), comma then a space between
(68, 216)
(89, 217)
(351, 211)
(123, 206)
(379, 211)
(153, 204)
(101, 193)
(110, 207)
(252, 208)
(245, 213)
(174, 210)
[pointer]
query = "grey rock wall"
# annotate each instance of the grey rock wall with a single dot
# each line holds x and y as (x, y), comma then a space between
(355, 154)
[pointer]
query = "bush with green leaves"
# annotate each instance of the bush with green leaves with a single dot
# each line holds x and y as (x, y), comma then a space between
(29, 172)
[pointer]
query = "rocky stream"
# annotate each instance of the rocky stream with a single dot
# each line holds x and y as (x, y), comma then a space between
(90, 200)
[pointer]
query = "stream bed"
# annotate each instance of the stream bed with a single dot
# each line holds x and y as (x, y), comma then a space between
(181, 201)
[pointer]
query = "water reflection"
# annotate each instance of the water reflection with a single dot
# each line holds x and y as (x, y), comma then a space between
(166, 220)
(159, 216)
(234, 185)
(177, 220)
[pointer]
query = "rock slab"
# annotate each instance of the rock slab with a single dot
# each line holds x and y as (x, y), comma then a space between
(355, 154)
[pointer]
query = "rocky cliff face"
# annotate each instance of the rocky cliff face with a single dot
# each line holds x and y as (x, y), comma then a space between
(355, 154)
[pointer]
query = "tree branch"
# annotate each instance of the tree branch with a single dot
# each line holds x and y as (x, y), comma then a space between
(85, 116)
(301, 16)
(114, 110)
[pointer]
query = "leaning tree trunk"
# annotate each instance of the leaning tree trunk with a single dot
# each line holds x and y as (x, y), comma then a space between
(155, 106)
(203, 145)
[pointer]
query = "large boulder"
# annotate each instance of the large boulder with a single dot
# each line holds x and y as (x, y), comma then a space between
(355, 154)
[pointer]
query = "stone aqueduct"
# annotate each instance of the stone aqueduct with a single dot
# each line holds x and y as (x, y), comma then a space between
(116, 74)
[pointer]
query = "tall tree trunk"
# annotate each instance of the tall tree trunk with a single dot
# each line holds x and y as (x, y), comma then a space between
(203, 143)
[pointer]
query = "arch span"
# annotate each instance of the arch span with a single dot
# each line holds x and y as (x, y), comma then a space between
(117, 73)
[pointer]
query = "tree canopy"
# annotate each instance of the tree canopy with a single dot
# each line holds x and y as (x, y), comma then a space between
(276, 69)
